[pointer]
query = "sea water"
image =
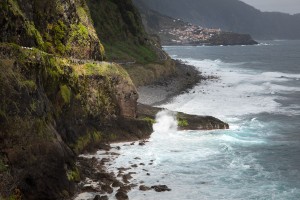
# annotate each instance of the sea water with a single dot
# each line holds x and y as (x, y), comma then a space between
(258, 93)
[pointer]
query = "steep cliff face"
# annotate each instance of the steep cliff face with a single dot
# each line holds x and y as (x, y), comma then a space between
(55, 101)
(58, 27)
(120, 26)
(52, 109)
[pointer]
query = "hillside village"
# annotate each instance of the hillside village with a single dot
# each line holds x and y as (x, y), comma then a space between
(190, 33)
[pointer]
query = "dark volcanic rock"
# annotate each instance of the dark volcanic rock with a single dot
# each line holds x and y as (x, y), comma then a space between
(107, 188)
(160, 188)
(121, 195)
(98, 197)
(125, 188)
(117, 184)
(144, 188)
(188, 122)
(89, 189)
(105, 147)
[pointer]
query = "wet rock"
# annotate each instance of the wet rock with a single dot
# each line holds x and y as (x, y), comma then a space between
(105, 147)
(134, 165)
(142, 143)
(133, 185)
(106, 178)
(125, 180)
(133, 143)
(148, 174)
(121, 195)
(144, 188)
(89, 189)
(160, 188)
(104, 197)
(125, 188)
(101, 175)
(137, 158)
(126, 177)
(117, 184)
(107, 189)
(98, 197)
(114, 154)
(142, 163)
(122, 169)
(104, 160)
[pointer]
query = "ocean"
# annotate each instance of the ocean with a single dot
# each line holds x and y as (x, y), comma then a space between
(256, 91)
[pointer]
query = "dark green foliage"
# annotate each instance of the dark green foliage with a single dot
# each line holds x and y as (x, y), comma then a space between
(182, 122)
(119, 26)
(57, 27)
(50, 110)
(150, 120)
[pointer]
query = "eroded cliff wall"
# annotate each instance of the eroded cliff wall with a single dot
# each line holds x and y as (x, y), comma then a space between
(57, 98)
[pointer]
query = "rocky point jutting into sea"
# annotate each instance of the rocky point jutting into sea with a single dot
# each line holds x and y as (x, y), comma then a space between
(63, 93)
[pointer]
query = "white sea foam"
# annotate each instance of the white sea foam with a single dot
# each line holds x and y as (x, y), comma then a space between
(220, 164)
(165, 122)
(237, 92)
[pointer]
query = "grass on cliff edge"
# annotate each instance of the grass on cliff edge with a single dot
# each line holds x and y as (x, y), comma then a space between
(103, 69)
(125, 51)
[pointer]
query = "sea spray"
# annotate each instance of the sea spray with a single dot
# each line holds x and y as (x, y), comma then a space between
(165, 122)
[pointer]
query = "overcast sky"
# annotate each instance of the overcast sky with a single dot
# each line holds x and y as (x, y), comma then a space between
(287, 6)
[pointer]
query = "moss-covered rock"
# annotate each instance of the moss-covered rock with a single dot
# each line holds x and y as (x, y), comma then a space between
(58, 27)
(54, 108)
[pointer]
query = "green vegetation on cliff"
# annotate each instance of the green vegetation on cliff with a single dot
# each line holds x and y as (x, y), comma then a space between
(63, 28)
(119, 25)
(58, 99)
(53, 108)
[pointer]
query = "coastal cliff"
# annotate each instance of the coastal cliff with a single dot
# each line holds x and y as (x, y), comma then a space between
(59, 98)
(52, 110)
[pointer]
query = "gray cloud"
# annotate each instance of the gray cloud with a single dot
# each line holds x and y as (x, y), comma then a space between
(287, 6)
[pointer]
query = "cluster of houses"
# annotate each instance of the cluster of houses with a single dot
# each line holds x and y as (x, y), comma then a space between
(190, 34)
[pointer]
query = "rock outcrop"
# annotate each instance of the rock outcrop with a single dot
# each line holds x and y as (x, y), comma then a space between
(59, 27)
(229, 38)
(51, 110)
(185, 121)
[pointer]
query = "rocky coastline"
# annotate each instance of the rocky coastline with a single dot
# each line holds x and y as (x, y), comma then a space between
(98, 183)
(61, 94)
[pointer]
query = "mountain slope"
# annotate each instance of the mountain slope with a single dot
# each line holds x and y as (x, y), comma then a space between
(177, 32)
(230, 15)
